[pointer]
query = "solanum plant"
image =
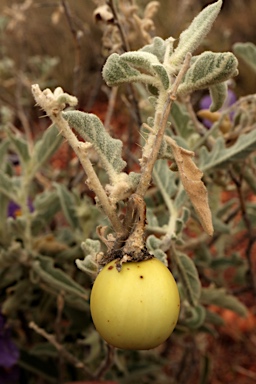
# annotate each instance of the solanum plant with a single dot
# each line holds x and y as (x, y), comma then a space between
(168, 213)
(171, 74)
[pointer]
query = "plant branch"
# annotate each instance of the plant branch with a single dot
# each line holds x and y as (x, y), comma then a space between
(61, 349)
(159, 128)
(53, 109)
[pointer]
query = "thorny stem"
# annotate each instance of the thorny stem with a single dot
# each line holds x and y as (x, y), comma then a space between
(159, 128)
(80, 149)
(61, 349)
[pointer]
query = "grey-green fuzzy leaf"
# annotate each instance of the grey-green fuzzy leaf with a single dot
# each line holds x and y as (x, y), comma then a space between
(218, 296)
(116, 71)
(91, 129)
(6, 186)
(191, 38)
(162, 75)
(221, 155)
(218, 94)
(46, 147)
(56, 278)
(157, 48)
(164, 178)
(189, 277)
(247, 52)
(208, 69)
(4, 145)
(21, 147)
(67, 202)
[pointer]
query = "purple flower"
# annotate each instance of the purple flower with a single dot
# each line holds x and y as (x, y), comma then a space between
(206, 101)
(9, 353)
(14, 210)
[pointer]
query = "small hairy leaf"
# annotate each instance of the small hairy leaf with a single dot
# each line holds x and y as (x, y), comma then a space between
(59, 281)
(194, 317)
(162, 75)
(89, 264)
(139, 59)
(20, 146)
(125, 69)
(4, 145)
(218, 94)
(191, 38)
(67, 202)
(189, 277)
(220, 155)
(117, 71)
(91, 246)
(46, 205)
(247, 52)
(218, 296)
(208, 69)
(164, 178)
(213, 318)
(46, 147)
(181, 120)
(6, 186)
(157, 47)
(91, 129)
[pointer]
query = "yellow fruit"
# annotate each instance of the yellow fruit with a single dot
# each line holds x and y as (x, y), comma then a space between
(136, 308)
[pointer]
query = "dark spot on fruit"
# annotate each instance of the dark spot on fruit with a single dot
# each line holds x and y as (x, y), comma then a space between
(108, 321)
(128, 269)
(141, 277)
(111, 267)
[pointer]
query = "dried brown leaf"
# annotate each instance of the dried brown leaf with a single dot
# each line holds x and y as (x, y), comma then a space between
(191, 179)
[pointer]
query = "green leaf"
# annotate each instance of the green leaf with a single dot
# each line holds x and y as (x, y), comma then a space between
(89, 264)
(141, 60)
(165, 179)
(6, 186)
(220, 155)
(46, 205)
(191, 38)
(208, 69)
(213, 318)
(157, 47)
(58, 281)
(4, 145)
(181, 120)
(120, 69)
(247, 52)
(161, 73)
(194, 317)
(67, 202)
(218, 93)
(219, 297)
(108, 149)
(189, 278)
(116, 71)
(21, 147)
(45, 147)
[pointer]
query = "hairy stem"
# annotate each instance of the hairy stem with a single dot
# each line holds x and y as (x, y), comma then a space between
(162, 114)
(53, 108)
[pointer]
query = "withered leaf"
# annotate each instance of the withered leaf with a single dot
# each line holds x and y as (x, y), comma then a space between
(191, 179)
